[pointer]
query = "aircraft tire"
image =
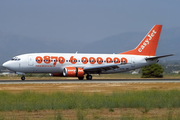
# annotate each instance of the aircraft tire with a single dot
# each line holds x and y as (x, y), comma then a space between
(80, 78)
(89, 77)
(23, 78)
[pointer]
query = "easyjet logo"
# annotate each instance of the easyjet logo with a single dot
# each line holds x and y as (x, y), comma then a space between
(69, 70)
(147, 41)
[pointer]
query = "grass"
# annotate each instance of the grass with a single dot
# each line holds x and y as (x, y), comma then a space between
(33, 101)
(144, 104)
(142, 101)
(103, 114)
(58, 116)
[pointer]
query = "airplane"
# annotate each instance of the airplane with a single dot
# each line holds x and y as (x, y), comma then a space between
(77, 65)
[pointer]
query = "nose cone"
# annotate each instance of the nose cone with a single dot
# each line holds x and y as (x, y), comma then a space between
(10, 65)
(6, 65)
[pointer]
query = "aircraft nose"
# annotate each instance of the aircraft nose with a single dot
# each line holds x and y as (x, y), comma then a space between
(6, 65)
(13, 66)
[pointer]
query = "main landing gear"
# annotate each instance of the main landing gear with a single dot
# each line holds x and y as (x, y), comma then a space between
(88, 77)
(81, 78)
(23, 78)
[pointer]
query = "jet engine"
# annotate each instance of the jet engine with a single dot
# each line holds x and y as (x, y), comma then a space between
(56, 74)
(73, 72)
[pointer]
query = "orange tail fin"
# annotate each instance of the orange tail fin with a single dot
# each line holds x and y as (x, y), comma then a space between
(149, 44)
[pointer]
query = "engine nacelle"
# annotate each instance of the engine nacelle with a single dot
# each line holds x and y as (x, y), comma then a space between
(73, 72)
(56, 74)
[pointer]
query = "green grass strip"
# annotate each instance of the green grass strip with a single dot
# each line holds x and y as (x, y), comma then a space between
(148, 99)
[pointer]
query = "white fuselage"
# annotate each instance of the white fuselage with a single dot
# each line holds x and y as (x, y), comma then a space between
(56, 62)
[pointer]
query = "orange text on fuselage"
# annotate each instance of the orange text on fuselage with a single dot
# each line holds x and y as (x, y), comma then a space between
(84, 60)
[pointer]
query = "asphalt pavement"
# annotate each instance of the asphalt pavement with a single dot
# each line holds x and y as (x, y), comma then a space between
(90, 81)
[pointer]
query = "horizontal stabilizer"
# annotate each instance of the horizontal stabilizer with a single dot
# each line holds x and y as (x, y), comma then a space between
(152, 58)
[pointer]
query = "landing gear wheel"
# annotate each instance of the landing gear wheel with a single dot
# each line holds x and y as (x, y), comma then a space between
(80, 78)
(89, 77)
(23, 78)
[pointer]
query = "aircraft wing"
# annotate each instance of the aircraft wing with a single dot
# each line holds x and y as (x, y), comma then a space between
(156, 57)
(98, 69)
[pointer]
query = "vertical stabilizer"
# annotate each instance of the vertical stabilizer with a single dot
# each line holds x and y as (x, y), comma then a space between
(149, 44)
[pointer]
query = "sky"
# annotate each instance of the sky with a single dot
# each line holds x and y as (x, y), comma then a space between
(85, 20)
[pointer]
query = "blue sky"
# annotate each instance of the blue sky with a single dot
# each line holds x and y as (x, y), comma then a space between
(85, 20)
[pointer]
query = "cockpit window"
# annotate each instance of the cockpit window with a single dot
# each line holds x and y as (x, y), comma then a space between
(15, 59)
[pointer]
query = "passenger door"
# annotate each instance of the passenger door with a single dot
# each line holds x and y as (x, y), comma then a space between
(30, 61)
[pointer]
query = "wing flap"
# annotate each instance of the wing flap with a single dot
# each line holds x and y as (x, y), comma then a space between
(98, 69)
